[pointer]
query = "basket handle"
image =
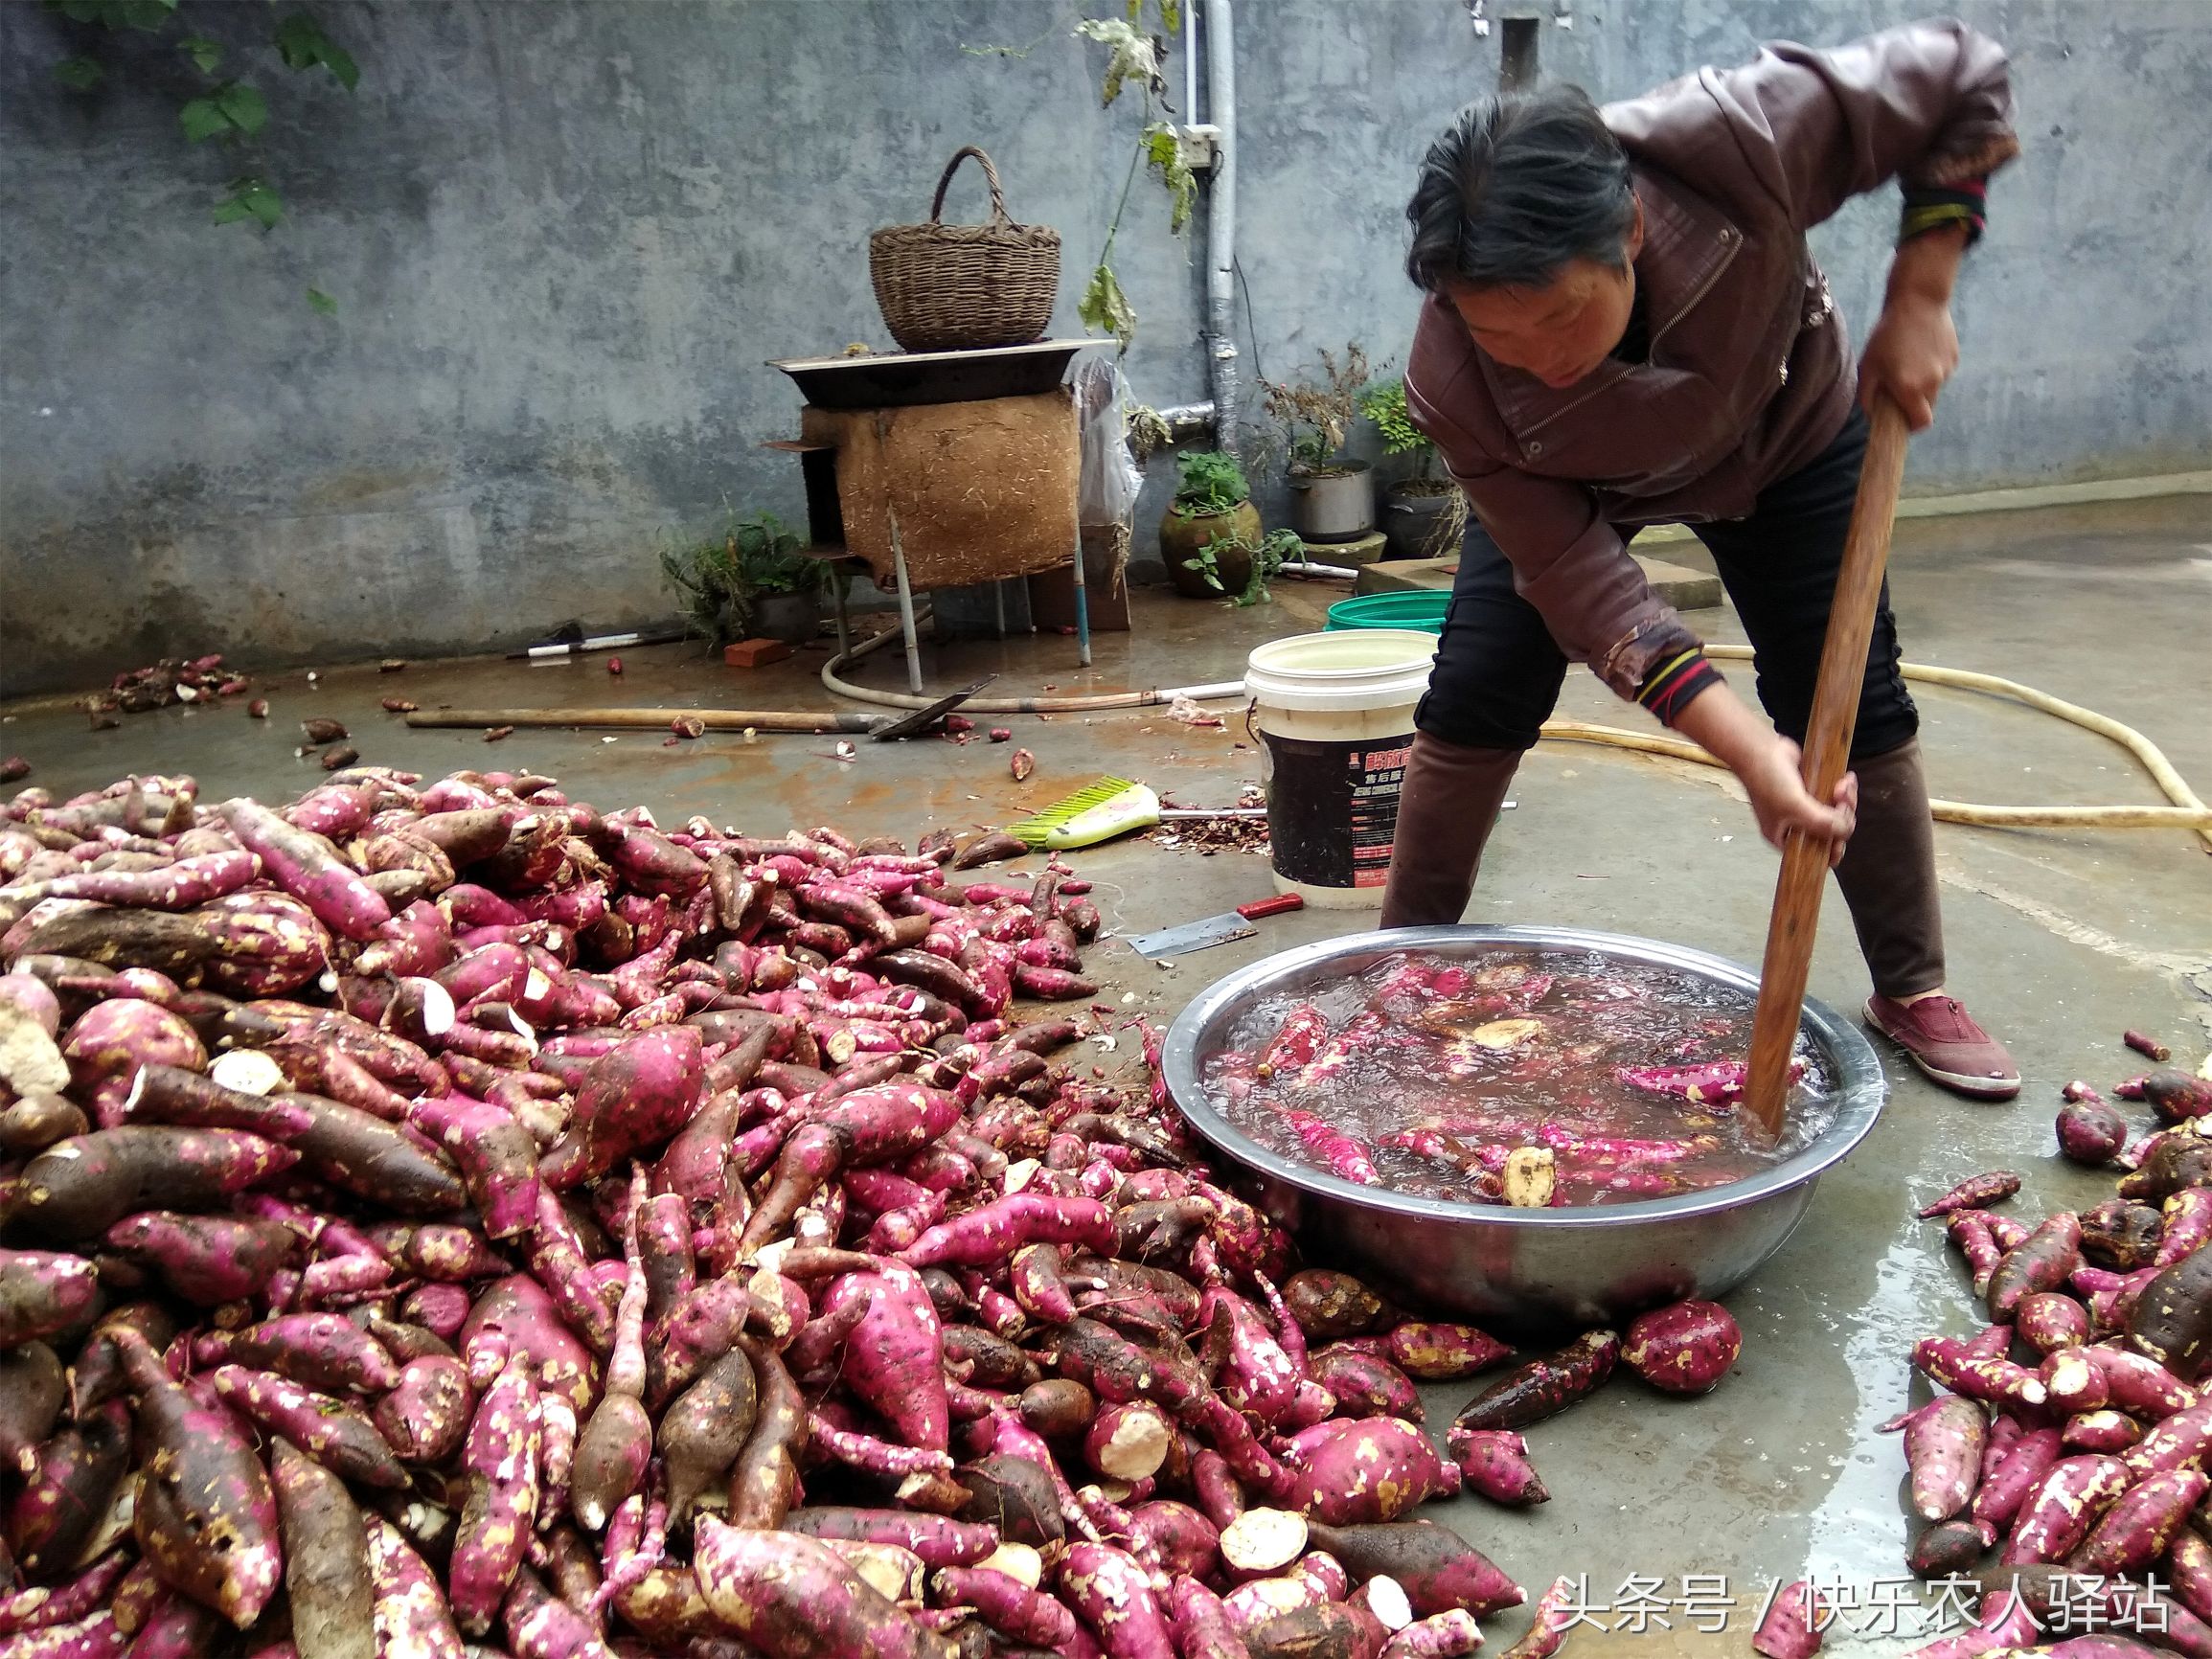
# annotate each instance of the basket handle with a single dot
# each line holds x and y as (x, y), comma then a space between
(998, 212)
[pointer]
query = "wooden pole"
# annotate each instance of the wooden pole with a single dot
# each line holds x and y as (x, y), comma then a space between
(1804, 873)
(627, 719)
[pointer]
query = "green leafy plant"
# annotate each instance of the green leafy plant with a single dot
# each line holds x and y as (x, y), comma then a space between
(720, 580)
(1208, 482)
(1268, 554)
(1315, 414)
(231, 111)
(1385, 404)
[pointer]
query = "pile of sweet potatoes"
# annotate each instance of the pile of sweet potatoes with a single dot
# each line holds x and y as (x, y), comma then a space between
(450, 1214)
(2074, 1428)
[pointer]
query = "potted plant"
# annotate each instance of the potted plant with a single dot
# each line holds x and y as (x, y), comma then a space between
(1422, 514)
(750, 583)
(1211, 511)
(1332, 497)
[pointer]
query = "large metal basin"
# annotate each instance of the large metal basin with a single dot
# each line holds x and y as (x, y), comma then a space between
(1579, 1266)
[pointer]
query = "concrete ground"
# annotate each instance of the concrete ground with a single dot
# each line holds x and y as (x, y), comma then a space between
(2057, 939)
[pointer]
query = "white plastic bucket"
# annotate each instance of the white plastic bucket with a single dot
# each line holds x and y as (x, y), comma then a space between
(1334, 716)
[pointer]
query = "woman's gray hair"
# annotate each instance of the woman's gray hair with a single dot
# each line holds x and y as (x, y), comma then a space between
(1519, 186)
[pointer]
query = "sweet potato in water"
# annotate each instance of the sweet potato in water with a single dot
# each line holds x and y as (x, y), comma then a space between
(1684, 1348)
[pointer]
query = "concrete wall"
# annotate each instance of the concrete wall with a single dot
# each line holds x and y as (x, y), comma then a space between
(564, 234)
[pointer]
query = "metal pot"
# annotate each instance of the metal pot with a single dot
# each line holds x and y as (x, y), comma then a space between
(1334, 505)
(1577, 1267)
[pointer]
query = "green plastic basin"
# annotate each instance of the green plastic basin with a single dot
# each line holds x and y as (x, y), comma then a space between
(1423, 611)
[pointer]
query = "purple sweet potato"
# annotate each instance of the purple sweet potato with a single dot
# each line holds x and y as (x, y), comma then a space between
(79, 1188)
(497, 1158)
(1446, 1635)
(2172, 1319)
(1113, 1594)
(205, 1259)
(1975, 1192)
(2181, 1442)
(795, 1598)
(43, 1293)
(895, 1358)
(1538, 1387)
(1323, 1630)
(252, 943)
(2176, 1097)
(2136, 1530)
(412, 1618)
(1365, 1385)
(163, 1094)
(1793, 1624)
(1685, 1347)
(205, 1515)
(426, 1415)
(500, 1483)
(1433, 1353)
(1942, 1447)
(1998, 1500)
(2041, 1263)
(324, 1351)
(337, 1435)
(1494, 1463)
(2066, 1503)
(1362, 1470)
(1016, 1610)
(631, 1098)
(993, 1232)
(326, 1544)
(1437, 1568)
(360, 1153)
(63, 1499)
(539, 1624)
(2100, 1431)
(112, 1039)
(308, 867)
(2090, 1133)
(2049, 1320)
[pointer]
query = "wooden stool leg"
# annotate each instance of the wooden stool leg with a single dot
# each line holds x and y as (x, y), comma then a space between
(998, 600)
(841, 578)
(907, 611)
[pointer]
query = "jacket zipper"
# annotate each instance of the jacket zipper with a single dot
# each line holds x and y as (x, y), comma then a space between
(1735, 242)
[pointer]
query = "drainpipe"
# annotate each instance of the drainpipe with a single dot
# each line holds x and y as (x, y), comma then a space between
(1222, 222)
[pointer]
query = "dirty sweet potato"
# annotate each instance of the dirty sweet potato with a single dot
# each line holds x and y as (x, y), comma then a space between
(43, 1293)
(205, 1515)
(795, 1598)
(78, 1188)
(2040, 1263)
(1494, 1463)
(424, 1415)
(2172, 1319)
(325, 1547)
(1436, 1567)
(1354, 1470)
(2090, 1133)
(1538, 1387)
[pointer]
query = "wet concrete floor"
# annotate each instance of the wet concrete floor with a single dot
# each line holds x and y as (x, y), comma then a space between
(2058, 940)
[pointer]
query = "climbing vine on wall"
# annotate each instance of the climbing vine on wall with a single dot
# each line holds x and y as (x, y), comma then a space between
(227, 109)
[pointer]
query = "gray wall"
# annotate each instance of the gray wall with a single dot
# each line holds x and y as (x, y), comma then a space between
(565, 234)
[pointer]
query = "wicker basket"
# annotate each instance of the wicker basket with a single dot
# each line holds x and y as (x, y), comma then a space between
(960, 288)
